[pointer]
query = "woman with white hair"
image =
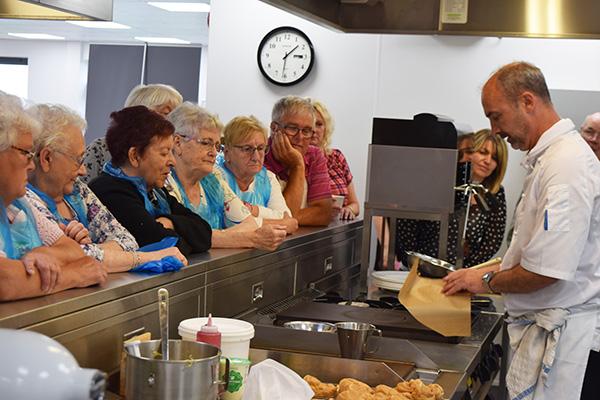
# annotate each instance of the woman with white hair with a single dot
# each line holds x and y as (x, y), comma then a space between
(195, 184)
(36, 258)
(56, 190)
(157, 97)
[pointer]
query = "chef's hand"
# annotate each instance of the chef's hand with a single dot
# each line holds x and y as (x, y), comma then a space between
(47, 266)
(76, 231)
(284, 152)
(464, 279)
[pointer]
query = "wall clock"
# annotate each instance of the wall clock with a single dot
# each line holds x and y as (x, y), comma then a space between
(285, 56)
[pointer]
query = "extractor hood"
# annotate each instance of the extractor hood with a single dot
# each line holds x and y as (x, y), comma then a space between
(90, 10)
(524, 18)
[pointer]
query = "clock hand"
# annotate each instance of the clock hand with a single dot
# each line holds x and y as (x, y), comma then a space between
(290, 52)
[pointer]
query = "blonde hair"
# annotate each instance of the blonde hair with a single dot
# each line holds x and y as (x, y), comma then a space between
(241, 128)
(321, 109)
(153, 96)
(291, 105)
(14, 121)
(53, 118)
(189, 119)
(493, 182)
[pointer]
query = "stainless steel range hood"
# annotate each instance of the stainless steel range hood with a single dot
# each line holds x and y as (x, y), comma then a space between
(94, 10)
(524, 18)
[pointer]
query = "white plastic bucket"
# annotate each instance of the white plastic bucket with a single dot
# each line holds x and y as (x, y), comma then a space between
(235, 334)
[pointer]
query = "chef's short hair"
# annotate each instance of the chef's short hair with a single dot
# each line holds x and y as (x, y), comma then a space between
(53, 119)
(189, 119)
(291, 105)
(518, 77)
(14, 120)
(154, 96)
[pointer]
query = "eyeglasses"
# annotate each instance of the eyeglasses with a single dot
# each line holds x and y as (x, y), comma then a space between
(205, 144)
(249, 150)
(28, 154)
(293, 130)
(77, 160)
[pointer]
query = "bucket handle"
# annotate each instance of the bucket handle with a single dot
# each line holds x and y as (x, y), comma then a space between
(225, 382)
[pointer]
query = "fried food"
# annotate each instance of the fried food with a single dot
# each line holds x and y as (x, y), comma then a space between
(322, 390)
(421, 391)
(354, 385)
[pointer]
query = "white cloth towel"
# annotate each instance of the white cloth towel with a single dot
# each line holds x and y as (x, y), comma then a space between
(533, 337)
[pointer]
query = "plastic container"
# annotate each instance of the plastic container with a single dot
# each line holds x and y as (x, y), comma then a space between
(235, 334)
(238, 373)
(209, 333)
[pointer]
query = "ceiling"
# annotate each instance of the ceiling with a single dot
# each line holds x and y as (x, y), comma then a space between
(144, 20)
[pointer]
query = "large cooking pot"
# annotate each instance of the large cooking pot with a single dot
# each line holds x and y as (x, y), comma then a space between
(191, 372)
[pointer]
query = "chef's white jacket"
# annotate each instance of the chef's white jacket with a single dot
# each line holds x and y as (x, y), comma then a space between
(557, 230)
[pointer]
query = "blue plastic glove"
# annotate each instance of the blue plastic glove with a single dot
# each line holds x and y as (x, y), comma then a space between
(167, 242)
(166, 264)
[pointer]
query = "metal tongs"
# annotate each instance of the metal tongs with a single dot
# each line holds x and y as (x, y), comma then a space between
(468, 190)
(163, 315)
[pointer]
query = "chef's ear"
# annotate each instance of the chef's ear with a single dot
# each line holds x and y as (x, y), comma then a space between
(528, 100)
(133, 157)
(45, 158)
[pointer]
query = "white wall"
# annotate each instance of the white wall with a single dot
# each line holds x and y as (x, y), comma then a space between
(362, 76)
(55, 70)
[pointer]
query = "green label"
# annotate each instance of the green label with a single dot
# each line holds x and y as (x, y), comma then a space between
(235, 381)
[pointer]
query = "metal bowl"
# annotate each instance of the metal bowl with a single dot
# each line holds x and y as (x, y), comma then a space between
(430, 267)
(311, 326)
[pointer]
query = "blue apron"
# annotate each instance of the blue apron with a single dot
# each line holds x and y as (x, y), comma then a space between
(162, 205)
(74, 201)
(262, 185)
(21, 236)
(213, 211)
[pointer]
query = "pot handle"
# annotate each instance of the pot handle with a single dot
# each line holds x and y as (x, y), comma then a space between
(223, 384)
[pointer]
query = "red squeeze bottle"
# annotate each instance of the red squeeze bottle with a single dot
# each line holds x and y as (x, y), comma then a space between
(209, 333)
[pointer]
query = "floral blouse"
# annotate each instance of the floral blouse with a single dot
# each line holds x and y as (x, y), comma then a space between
(102, 225)
(96, 155)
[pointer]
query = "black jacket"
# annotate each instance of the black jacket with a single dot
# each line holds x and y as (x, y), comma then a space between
(127, 205)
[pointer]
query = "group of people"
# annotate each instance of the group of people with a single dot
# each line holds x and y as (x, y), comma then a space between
(167, 180)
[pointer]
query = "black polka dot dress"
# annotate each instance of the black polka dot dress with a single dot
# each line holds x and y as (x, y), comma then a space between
(485, 232)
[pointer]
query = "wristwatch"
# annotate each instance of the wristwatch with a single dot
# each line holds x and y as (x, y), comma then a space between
(487, 279)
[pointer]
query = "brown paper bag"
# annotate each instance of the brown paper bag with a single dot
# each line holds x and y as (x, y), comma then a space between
(423, 298)
(144, 337)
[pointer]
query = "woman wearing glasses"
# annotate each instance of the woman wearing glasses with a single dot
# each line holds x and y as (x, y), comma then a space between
(56, 190)
(204, 191)
(140, 143)
(241, 164)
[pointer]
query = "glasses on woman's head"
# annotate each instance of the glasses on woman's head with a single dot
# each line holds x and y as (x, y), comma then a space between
(249, 150)
(292, 130)
(28, 154)
(205, 144)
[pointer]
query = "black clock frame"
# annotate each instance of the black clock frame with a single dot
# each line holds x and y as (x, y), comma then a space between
(274, 32)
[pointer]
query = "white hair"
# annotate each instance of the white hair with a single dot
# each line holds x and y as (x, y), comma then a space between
(189, 119)
(53, 119)
(153, 95)
(291, 105)
(14, 120)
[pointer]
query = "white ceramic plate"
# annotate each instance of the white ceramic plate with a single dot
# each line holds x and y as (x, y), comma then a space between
(390, 280)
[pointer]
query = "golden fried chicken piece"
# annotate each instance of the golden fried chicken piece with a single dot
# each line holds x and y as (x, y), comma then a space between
(354, 385)
(353, 395)
(322, 390)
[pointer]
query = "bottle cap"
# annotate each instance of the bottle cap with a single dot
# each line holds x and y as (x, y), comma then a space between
(209, 327)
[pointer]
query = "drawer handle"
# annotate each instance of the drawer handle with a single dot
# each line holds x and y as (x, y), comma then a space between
(328, 264)
(257, 292)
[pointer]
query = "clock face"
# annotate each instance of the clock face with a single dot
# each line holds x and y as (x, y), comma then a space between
(285, 56)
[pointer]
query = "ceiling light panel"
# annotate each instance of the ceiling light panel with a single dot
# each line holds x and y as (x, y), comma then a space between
(99, 24)
(163, 40)
(181, 7)
(37, 36)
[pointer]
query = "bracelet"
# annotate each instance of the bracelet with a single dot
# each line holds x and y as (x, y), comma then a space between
(136, 259)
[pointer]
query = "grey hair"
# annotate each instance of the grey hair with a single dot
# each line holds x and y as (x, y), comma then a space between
(291, 105)
(189, 119)
(518, 77)
(53, 119)
(153, 95)
(14, 120)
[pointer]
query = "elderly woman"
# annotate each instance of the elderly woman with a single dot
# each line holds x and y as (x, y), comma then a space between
(56, 191)
(242, 166)
(36, 258)
(194, 184)
(140, 142)
(157, 97)
(339, 172)
(485, 229)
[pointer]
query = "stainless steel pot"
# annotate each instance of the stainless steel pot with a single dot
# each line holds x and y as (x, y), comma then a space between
(191, 372)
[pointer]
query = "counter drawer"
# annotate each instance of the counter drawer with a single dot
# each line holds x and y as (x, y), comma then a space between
(255, 289)
(319, 263)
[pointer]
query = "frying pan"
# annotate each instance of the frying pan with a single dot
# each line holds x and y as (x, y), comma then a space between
(430, 267)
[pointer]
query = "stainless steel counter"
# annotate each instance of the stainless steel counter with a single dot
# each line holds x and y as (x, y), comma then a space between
(91, 322)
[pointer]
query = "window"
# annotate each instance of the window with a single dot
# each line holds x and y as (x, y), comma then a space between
(14, 76)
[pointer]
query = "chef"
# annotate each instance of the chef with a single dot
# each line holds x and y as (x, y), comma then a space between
(550, 275)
